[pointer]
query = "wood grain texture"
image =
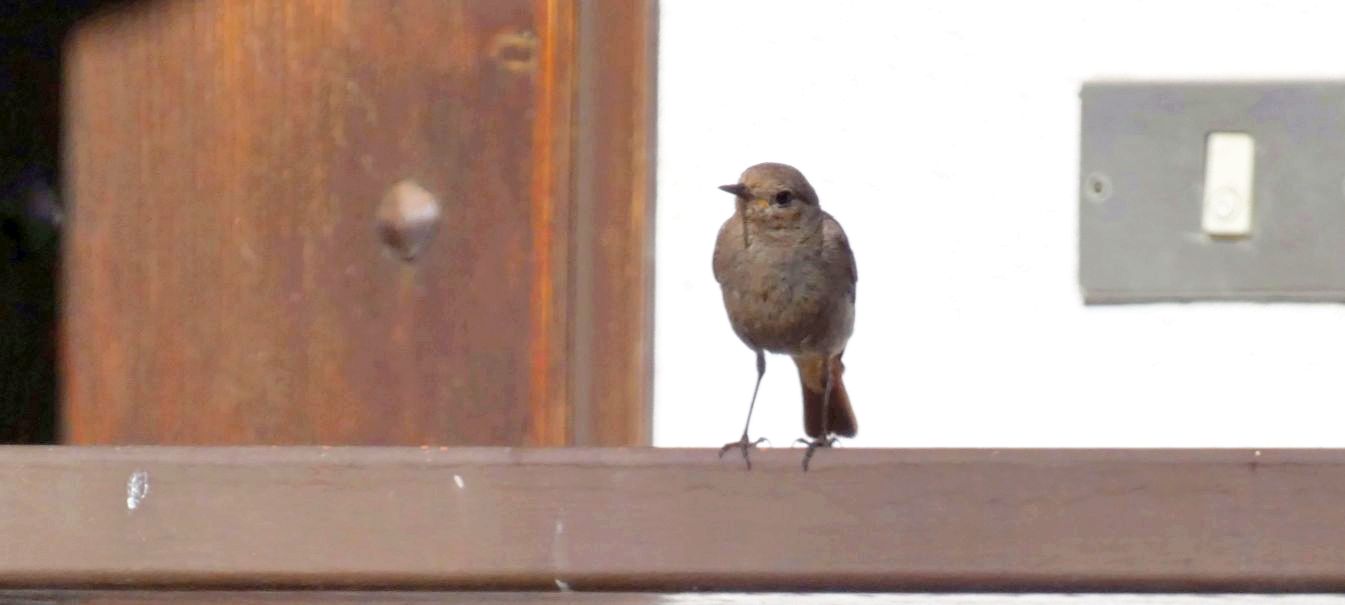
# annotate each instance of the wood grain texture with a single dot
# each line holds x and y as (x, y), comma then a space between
(670, 520)
(129, 597)
(552, 191)
(226, 284)
(613, 223)
(207, 597)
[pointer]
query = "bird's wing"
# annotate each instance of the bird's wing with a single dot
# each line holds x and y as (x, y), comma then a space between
(723, 244)
(838, 243)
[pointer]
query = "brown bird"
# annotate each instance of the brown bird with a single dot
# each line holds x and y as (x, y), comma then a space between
(788, 280)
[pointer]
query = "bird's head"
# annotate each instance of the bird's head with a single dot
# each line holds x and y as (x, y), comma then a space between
(774, 195)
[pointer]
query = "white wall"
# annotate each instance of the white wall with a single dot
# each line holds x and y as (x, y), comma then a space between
(944, 137)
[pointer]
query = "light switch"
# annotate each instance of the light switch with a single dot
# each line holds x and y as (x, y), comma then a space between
(1167, 175)
(1229, 168)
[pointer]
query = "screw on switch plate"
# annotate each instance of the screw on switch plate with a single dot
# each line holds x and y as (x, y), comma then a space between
(1229, 170)
(1097, 187)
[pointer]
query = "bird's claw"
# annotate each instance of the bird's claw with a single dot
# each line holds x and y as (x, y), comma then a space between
(813, 444)
(745, 445)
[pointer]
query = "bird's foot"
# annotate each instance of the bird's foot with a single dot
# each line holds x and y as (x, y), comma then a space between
(813, 444)
(743, 444)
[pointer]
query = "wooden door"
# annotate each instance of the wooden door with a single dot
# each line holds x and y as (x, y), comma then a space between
(227, 282)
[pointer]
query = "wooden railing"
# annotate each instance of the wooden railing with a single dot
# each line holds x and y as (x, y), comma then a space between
(666, 520)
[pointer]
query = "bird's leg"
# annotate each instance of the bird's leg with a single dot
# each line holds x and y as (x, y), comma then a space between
(826, 440)
(745, 443)
(813, 444)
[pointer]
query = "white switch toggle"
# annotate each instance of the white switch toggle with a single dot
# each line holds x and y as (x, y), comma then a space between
(1229, 164)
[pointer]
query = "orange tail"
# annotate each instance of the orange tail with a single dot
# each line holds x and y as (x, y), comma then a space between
(840, 416)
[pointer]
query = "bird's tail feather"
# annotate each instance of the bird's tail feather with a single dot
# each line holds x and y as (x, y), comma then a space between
(840, 416)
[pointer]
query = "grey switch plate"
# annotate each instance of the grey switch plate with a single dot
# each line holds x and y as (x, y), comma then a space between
(1141, 181)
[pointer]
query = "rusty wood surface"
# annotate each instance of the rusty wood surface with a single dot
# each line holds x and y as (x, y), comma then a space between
(613, 222)
(226, 283)
(672, 520)
(202, 597)
(208, 597)
(246, 597)
(551, 414)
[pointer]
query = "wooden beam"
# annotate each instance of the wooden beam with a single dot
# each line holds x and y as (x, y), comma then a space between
(226, 283)
(382, 597)
(388, 597)
(613, 223)
(668, 520)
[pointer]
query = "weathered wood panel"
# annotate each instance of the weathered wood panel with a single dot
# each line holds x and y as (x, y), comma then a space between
(226, 281)
(613, 222)
(673, 520)
(305, 597)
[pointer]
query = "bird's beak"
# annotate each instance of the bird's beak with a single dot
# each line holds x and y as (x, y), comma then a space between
(738, 189)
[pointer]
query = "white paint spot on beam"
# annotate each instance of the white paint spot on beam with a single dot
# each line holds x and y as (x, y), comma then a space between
(457, 479)
(137, 488)
(562, 585)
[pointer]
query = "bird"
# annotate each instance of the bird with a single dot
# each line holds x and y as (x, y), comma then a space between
(788, 276)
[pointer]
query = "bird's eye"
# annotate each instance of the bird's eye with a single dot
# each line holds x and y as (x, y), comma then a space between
(783, 198)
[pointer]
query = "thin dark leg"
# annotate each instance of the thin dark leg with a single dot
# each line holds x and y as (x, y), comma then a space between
(826, 440)
(761, 371)
(744, 443)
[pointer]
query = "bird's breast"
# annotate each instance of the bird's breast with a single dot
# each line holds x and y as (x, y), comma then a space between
(778, 298)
